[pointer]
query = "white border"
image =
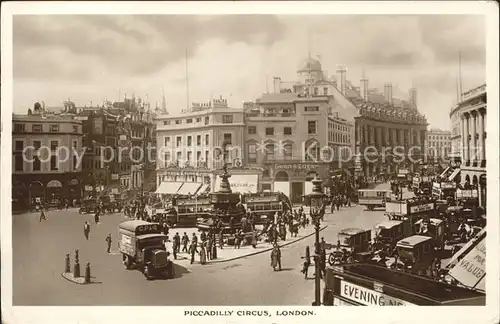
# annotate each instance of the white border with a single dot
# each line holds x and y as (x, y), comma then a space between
(463, 314)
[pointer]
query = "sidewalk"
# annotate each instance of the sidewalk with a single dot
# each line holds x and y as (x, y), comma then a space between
(229, 253)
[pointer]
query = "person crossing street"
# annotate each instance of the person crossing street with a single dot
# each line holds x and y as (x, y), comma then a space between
(108, 241)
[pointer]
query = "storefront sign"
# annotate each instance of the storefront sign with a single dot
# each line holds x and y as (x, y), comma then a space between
(448, 185)
(368, 297)
(241, 183)
(472, 268)
(421, 208)
(461, 193)
(297, 166)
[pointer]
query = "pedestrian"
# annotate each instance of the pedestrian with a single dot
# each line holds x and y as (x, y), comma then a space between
(185, 242)
(177, 241)
(307, 262)
(203, 236)
(108, 240)
(239, 238)
(97, 213)
(194, 241)
(221, 239)
(192, 251)
(254, 239)
(42, 213)
(210, 244)
(276, 257)
(203, 253)
(86, 230)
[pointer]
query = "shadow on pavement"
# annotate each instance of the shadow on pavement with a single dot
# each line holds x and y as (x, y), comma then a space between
(287, 269)
(179, 271)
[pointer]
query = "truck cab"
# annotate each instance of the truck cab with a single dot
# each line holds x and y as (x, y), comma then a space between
(142, 246)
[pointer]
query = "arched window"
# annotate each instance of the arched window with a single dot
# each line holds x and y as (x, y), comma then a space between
(312, 150)
(252, 152)
(288, 151)
(281, 176)
(270, 147)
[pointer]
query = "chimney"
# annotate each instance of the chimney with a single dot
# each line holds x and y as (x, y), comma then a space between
(277, 84)
(342, 86)
(364, 88)
(388, 93)
(413, 97)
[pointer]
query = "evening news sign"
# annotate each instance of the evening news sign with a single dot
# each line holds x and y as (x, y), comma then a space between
(368, 297)
(300, 166)
(421, 208)
(471, 269)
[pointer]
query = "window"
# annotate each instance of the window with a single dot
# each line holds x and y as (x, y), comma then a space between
(178, 141)
(53, 162)
(19, 128)
(179, 157)
(325, 91)
(198, 120)
(228, 138)
(252, 153)
(74, 163)
(266, 186)
(269, 131)
(206, 158)
(53, 145)
(19, 145)
(207, 139)
(190, 157)
(189, 121)
(287, 152)
(37, 144)
(207, 120)
(178, 122)
(75, 129)
(270, 151)
(166, 122)
(311, 127)
(36, 128)
(227, 119)
(36, 163)
(167, 159)
(198, 140)
(19, 163)
(311, 108)
(287, 131)
(98, 125)
(198, 156)
(315, 91)
(189, 140)
(252, 129)
(167, 141)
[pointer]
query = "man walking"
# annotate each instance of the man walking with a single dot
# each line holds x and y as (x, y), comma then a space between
(86, 230)
(185, 241)
(177, 242)
(42, 213)
(108, 240)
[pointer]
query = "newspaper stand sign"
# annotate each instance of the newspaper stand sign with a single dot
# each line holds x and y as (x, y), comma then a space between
(471, 270)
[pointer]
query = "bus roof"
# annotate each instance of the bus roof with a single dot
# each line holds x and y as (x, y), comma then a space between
(413, 240)
(353, 231)
(389, 224)
(433, 221)
(132, 225)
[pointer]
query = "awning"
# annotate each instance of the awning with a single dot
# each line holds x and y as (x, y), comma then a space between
(454, 174)
(54, 184)
(203, 189)
(189, 188)
(241, 183)
(444, 172)
(168, 187)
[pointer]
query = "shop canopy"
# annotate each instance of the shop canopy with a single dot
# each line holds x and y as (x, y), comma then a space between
(204, 188)
(54, 184)
(444, 172)
(454, 174)
(241, 183)
(189, 188)
(168, 187)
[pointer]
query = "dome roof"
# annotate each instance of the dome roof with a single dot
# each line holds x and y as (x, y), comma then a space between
(309, 64)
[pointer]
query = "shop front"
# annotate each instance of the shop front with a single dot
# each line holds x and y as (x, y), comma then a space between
(201, 176)
(294, 179)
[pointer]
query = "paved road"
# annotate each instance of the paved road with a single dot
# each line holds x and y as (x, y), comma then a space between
(39, 250)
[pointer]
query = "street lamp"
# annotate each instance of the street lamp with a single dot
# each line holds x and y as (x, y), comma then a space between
(315, 201)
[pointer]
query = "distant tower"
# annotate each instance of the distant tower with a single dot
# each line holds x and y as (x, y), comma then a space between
(163, 102)
(388, 93)
(342, 86)
(412, 95)
(364, 86)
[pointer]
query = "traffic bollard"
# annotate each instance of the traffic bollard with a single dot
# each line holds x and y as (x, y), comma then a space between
(67, 267)
(77, 256)
(87, 273)
(76, 269)
(214, 252)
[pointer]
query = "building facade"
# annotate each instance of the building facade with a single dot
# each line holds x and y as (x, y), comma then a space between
(472, 113)
(302, 129)
(438, 146)
(189, 144)
(46, 156)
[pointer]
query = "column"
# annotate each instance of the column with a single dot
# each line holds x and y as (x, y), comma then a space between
(467, 141)
(462, 136)
(372, 135)
(473, 149)
(482, 138)
(365, 135)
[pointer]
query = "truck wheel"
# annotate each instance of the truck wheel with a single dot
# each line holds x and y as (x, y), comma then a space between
(127, 263)
(147, 272)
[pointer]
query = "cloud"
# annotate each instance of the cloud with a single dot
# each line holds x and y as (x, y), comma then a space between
(89, 57)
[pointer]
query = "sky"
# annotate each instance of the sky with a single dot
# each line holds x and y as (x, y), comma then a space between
(89, 58)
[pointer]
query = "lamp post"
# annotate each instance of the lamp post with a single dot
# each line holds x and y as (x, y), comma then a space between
(315, 201)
